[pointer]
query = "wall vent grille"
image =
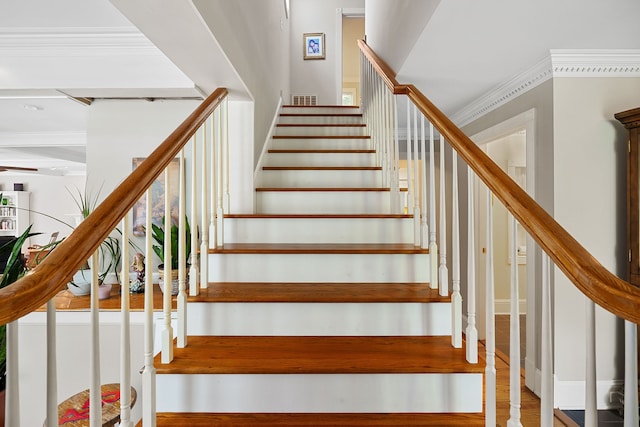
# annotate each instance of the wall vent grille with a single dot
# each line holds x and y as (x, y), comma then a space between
(304, 99)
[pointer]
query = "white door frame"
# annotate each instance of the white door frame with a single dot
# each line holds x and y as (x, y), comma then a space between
(340, 13)
(526, 121)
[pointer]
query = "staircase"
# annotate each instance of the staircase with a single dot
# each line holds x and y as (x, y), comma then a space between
(318, 309)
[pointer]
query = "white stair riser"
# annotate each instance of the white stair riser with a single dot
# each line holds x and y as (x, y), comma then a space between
(322, 202)
(320, 393)
(320, 319)
(321, 178)
(320, 120)
(321, 144)
(319, 268)
(320, 159)
(318, 230)
(320, 130)
(319, 110)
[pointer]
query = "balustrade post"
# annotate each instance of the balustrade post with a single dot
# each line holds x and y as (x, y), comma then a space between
(149, 370)
(433, 246)
(52, 372)
(417, 182)
(204, 217)
(194, 271)
(424, 228)
(444, 271)
(490, 369)
(182, 255)
(514, 347)
(546, 346)
(630, 374)
(95, 410)
(12, 399)
(591, 400)
(167, 329)
(456, 297)
(471, 331)
(125, 331)
(409, 157)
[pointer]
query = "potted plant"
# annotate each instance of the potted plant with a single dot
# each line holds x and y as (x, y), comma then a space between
(159, 235)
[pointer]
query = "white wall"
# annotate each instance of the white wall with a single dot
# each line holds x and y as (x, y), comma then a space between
(48, 195)
(590, 202)
(254, 35)
(318, 76)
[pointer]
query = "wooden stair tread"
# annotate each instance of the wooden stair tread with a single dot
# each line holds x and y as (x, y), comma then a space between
(322, 168)
(319, 248)
(319, 216)
(319, 292)
(321, 137)
(317, 355)
(316, 419)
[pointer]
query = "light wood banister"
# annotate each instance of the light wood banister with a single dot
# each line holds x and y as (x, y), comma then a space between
(53, 273)
(585, 272)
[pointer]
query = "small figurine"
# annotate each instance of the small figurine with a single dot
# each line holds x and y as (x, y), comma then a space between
(139, 267)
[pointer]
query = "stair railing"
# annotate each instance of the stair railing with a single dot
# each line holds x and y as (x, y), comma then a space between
(42, 284)
(583, 270)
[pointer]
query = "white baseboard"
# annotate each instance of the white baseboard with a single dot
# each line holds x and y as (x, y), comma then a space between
(503, 306)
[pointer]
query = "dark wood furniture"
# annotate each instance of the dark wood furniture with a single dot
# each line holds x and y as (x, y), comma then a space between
(631, 120)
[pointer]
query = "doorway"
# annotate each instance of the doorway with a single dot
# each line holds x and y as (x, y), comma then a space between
(349, 29)
(511, 145)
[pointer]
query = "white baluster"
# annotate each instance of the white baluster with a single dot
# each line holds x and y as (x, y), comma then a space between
(546, 346)
(149, 371)
(52, 371)
(95, 390)
(424, 228)
(223, 206)
(409, 158)
(125, 332)
(433, 246)
(397, 205)
(417, 182)
(630, 374)
(214, 179)
(591, 402)
(490, 370)
(194, 271)
(456, 298)
(12, 397)
(181, 303)
(227, 168)
(444, 271)
(471, 332)
(514, 342)
(204, 217)
(167, 329)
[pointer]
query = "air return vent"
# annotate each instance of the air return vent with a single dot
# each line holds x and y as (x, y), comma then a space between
(304, 99)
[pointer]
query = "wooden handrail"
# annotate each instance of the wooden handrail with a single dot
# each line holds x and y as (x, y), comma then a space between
(585, 272)
(53, 273)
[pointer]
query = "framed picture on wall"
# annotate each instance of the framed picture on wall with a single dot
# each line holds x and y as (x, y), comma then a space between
(313, 45)
(157, 199)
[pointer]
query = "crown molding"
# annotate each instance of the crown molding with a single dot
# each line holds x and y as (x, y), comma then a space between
(74, 41)
(559, 63)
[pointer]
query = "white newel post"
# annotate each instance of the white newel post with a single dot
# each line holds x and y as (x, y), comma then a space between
(181, 303)
(12, 402)
(194, 270)
(471, 332)
(514, 342)
(433, 246)
(95, 390)
(547, 394)
(167, 329)
(490, 370)
(456, 297)
(125, 331)
(52, 371)
(591, 402)
(443, 277)
(149, 371)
